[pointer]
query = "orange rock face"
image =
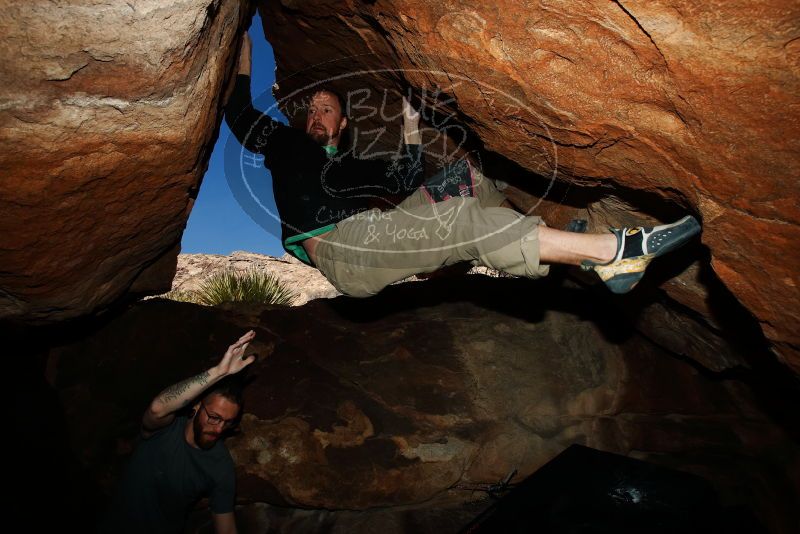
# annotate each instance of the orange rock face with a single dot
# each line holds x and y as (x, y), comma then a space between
(107, 114)
(669, 105)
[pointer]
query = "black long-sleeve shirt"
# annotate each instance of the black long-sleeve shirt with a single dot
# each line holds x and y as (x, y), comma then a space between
(313, 190)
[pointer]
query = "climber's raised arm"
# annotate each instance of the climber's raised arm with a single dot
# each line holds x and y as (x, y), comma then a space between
(253, 128)
(246, 55)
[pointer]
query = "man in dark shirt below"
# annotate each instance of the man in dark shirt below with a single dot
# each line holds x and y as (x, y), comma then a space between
(328, 220)
(180, 459)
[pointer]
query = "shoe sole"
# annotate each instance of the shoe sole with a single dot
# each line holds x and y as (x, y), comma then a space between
(623, 275)
(691, 229)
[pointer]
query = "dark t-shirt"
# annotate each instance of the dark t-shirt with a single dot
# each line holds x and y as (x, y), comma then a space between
(164, 479)
(313, 190)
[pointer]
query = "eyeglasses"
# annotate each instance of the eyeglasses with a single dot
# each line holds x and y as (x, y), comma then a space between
(215, 419)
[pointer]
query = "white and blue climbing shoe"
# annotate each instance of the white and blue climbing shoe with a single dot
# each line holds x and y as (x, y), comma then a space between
(637, 247)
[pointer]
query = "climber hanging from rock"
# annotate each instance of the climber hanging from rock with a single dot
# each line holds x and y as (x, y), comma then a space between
(323, 197)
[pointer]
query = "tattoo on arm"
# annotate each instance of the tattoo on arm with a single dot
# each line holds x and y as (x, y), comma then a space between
(175, 391)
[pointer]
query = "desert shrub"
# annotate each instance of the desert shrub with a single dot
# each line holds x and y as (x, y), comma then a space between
(234, 286)
(249, 286)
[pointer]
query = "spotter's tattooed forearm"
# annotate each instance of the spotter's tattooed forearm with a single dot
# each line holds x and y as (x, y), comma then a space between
(178, 392)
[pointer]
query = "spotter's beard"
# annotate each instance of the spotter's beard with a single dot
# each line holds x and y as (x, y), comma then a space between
(201, 439)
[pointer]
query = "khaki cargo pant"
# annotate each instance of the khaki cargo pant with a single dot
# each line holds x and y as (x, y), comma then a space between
(374, 248)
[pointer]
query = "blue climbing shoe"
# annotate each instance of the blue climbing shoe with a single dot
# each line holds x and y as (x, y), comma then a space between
(637, 247)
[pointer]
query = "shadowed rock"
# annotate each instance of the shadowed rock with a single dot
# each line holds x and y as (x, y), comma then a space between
(430, 386)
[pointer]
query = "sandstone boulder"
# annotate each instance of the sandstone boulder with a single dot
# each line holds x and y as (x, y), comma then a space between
(108, 113)
(658, 107)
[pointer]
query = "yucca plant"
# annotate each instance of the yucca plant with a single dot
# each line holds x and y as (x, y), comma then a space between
(249, 286)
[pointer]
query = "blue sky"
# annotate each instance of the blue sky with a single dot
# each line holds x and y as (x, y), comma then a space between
(218, 223)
